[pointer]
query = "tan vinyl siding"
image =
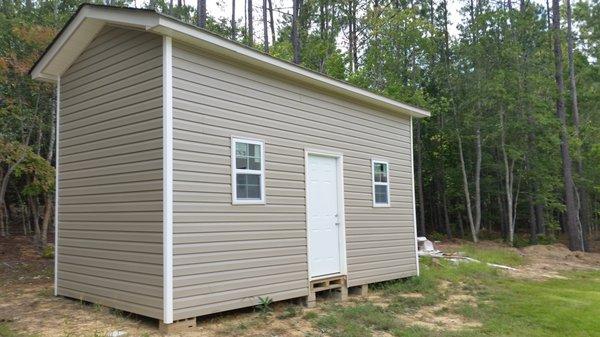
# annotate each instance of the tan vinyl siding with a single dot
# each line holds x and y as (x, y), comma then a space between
(110, 188)
(225, 255)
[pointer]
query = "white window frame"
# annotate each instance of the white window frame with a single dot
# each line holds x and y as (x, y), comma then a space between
(374, 183)
(235, 171)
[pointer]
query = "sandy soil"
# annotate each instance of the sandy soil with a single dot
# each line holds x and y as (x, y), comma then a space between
(28, 306)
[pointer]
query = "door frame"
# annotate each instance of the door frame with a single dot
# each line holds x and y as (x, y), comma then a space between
(341, 211)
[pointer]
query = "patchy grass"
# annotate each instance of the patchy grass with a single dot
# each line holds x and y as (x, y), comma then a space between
(497, 305)
(503, 256)
(356, 321)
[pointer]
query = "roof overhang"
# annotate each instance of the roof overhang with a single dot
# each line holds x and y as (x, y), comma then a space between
(85, 24)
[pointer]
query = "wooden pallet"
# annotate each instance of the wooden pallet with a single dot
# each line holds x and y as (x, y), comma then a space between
(328, 283)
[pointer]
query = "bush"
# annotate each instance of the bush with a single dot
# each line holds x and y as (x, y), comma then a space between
(48, 252)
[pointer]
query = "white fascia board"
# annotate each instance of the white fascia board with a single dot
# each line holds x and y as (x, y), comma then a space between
(77, 35)
(235, 51)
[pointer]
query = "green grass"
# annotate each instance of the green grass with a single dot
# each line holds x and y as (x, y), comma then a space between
(5, 331)
(505, 306)
(492, 255)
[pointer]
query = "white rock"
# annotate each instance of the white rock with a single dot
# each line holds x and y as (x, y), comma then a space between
(117, 333)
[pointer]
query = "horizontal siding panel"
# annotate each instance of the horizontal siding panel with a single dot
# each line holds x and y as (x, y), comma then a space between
(148, 165)
(108, 189)
(150, 301)
(375, 251)
(237, 303)
(141, 156)
(113, 226)
(153, 175)
(141, 269)
(136, 289)
(277, 86)
(112, 302)
(137, 104)
(236, 246)
(113, 236)
(378, 276)
(261, 290)
(183, 259)
(112, 255)
(151, 280)
(244, 226)
(191, 91)
(236, 284)
(204, 278)
(237, 236)
(139, 247)
(240, 265)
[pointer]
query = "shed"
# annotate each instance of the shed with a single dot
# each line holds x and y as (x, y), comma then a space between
(196, 175)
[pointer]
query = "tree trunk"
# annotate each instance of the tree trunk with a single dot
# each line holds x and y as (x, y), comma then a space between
(297, 4)
(201, 7)
(478, 156)
(532, 221)
(250, 32)
(584, 210)
(571, 221)
(474, 229)
(48, 206)
(419, 174)
(233, 20)
(272, 21)
(265, 27)
(508, 180)
(5, 177)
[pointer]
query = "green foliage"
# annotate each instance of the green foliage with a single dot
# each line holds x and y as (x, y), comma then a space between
(264, 305)
(356, 321)
(501, 256)
(48, 252)
(290, 312)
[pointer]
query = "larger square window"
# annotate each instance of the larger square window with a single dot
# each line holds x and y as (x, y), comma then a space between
(247, 171)
(381, 183)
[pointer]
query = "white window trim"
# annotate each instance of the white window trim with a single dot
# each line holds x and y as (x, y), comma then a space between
(373, 183)
(235, 171)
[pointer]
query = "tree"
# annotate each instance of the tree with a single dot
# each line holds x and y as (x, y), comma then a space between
(572, 222)
(201, 8)
(296, 44)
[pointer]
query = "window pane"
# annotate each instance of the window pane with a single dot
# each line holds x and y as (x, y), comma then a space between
(241, 163)
(248, 186)
(254, 163)
(380, 172)
(241, 149)
(381, 196)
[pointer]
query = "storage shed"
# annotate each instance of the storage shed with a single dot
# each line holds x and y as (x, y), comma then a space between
(196, 175)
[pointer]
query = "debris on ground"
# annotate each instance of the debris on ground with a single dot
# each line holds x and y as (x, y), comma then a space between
(426, 248)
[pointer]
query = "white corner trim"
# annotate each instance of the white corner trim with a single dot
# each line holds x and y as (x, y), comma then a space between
(412, 167)
(56, 139)
(167, 179)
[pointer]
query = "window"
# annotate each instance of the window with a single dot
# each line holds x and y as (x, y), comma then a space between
(247, 171)
(381, 184)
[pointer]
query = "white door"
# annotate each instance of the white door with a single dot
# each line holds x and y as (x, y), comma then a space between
(323, 217)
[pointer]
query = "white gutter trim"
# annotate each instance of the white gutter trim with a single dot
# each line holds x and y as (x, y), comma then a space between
(167, 180)
(57, 135)
(414, 206)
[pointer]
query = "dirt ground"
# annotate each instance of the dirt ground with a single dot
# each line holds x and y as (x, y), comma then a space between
(27, 304)
(541, 261)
